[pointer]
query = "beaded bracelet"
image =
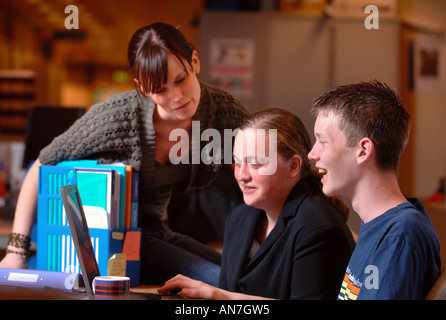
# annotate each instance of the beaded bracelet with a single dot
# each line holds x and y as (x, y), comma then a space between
(23, 254)
(19, 241)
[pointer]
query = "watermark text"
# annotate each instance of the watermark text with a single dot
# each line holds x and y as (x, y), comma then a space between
(72, 20)
(257, 148)
(371, 21)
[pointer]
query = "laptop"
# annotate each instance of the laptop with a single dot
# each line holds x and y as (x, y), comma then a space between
(84, 248)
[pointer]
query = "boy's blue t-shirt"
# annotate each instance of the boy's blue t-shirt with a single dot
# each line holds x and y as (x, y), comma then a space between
(397, 256)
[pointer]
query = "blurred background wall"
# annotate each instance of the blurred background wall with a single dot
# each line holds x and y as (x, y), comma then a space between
(285, 53)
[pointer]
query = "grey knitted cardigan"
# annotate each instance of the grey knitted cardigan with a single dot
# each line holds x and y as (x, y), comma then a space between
(121, 130)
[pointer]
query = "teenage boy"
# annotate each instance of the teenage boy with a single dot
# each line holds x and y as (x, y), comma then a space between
(361, 131)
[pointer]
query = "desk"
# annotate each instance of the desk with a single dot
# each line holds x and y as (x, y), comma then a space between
(23, 293)
(437, 213)
(145, 288)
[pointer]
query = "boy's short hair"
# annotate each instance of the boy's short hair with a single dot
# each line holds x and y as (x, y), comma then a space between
(373, 110)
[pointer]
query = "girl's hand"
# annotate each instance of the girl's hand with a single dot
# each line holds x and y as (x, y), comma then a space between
(192, 289)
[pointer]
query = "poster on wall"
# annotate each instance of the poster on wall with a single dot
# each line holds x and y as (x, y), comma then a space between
(232, 65)
(428, 64)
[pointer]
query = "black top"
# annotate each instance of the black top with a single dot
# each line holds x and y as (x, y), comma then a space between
(304, 256)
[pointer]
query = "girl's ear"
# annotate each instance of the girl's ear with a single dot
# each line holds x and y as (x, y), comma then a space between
(138, 85)
(295, 166)
(195, 62)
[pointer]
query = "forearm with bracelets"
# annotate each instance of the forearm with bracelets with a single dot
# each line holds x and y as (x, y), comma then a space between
(20, 242)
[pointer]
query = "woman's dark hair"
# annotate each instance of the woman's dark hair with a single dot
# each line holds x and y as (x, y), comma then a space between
(292, 139)
(147, 55)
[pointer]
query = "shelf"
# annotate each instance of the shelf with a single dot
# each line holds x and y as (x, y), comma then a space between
(17, 95)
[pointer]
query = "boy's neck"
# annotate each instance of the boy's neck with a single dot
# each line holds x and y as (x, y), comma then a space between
(380, 192)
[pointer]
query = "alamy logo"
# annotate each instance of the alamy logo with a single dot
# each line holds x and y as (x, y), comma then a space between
(372, 21)
(72, 21)
(254, 147)
(372, 280)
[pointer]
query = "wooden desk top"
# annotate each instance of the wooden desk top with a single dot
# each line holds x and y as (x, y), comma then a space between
(144, 288)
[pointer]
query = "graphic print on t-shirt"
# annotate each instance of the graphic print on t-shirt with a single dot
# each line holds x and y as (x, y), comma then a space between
(350, 287)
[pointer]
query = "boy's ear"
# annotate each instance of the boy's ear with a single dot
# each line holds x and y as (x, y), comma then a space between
(366, 150)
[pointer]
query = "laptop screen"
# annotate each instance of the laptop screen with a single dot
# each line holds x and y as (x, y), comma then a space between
(80, 234)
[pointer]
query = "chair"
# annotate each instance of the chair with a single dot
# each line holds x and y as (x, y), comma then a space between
(438, 291)
(45, 123)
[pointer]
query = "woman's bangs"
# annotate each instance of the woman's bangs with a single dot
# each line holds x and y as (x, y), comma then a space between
(152, 70)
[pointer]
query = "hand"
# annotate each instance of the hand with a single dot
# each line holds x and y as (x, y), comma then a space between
(192, 289)
(13, 261)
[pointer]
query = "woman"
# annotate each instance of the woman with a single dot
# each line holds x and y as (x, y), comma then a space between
(134, 128)
(288, 241)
